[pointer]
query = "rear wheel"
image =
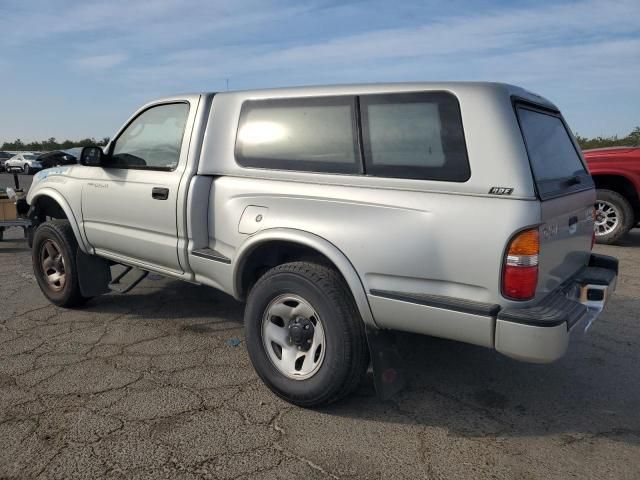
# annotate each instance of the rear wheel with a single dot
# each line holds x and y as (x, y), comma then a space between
(304, 335)
(614, 216)
(26, 169)
(54, 263)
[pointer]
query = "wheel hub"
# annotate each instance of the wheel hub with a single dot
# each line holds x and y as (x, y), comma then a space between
(301, 331)
(53, 265)
(293, 336)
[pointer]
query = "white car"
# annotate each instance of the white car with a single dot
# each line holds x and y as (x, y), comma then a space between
(25, 162)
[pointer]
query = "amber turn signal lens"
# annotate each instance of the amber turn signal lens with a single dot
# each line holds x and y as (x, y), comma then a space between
(525, 243)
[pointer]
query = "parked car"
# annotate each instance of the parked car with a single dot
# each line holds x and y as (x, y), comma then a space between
(4, 156)
(57, 158)
(616, 173)
(25, 162)
(339, 215)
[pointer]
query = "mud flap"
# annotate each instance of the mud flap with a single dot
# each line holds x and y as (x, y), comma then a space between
(94, 274)
(389, 372)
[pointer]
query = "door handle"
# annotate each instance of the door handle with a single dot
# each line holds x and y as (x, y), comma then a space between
(160, 193)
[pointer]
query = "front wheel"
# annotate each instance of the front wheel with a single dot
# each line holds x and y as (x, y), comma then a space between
(614, 216)
(304, 335)
(54, 263)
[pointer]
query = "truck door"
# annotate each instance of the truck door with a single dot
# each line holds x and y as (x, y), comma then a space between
(129, 205)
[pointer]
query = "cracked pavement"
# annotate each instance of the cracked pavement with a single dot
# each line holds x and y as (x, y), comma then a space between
(145, 385)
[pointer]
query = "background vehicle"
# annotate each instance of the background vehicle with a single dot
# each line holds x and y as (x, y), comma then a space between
(4, 156)
(339, 214)
(58, 158)
(24, 162)
(616, 173)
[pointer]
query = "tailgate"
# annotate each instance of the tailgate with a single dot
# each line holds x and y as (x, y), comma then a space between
(566, 193)
(565, 238)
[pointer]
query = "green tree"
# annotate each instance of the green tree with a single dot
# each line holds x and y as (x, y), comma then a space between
(634, 136)
(633, 139)
(51, 144)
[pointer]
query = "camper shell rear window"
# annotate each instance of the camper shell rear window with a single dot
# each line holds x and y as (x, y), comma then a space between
(556, 164)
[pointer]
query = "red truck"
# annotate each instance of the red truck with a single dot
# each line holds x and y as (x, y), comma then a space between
(616, 172)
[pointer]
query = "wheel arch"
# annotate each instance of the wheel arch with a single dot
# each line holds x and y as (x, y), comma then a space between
(264, 250)
(49, 202)
(621, 184)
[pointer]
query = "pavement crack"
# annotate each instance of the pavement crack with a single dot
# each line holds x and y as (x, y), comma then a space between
(311, 464)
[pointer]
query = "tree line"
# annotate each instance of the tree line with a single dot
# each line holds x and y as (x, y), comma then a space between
(52, 144)
(633, 139)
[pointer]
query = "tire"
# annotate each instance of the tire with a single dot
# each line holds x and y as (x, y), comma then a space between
(344, 353)
(614, 216)
(25, 169)
(52, 238)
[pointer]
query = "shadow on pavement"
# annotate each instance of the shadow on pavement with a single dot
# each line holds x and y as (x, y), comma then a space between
(171, 300)
(631, 239)
(475, 392)
(594, 391)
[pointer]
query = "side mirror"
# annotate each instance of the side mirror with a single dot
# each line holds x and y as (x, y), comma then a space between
(92, 157)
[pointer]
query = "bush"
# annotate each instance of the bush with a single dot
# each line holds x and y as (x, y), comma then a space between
(51, 144)
(633, 139)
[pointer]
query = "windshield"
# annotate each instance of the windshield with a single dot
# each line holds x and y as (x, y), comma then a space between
(75, 151)
(555, 162)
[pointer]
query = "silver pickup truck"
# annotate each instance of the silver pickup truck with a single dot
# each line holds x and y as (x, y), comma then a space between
(340, 214)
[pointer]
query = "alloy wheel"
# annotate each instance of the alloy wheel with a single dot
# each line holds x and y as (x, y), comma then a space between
(607, 217)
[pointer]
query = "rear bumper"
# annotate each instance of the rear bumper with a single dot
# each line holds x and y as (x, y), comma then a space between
(540, 334)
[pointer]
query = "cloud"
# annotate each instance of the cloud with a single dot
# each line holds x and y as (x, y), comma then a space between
(570, 51)
(99, 62)
(139, 24)
(535, 43)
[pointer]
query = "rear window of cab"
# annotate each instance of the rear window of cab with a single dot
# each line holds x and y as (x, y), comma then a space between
(403, 135)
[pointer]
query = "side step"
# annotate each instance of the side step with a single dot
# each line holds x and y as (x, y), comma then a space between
(211, 254)
(118, 287)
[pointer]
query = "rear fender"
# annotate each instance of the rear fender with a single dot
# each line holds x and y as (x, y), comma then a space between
(339, 260)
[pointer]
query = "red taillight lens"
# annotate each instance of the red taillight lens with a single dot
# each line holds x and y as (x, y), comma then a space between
(519, 283)
(520, 269)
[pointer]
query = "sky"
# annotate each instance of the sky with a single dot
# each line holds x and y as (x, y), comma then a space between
(79, 68)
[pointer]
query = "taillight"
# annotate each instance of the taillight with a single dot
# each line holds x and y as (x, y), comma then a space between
(520, 269)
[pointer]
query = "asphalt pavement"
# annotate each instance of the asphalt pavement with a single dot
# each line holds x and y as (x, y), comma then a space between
(150, 385)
